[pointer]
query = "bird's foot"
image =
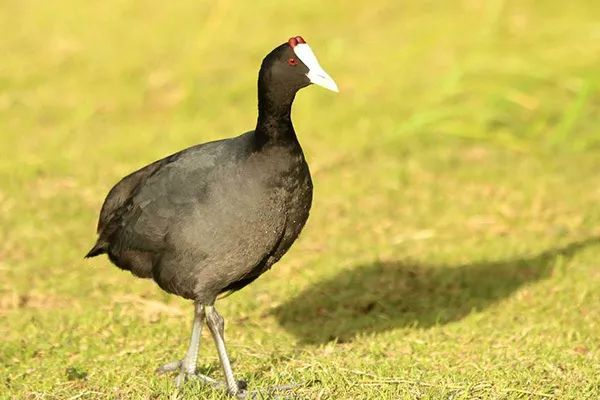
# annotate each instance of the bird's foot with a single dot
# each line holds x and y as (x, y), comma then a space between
(240, 392)
(169, 367)
(278, 392)
(184, 373)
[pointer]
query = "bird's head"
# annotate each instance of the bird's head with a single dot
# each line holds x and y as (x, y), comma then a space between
(293, 65)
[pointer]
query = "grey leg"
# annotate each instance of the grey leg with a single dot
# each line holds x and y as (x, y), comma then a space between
(187, 366)
(216, 325)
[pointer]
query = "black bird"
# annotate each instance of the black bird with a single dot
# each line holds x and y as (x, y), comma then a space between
(212, 218)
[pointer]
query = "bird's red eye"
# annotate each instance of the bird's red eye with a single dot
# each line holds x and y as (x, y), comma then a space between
(292, 61)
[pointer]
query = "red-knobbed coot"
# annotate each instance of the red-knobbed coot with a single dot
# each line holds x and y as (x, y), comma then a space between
(212, 218)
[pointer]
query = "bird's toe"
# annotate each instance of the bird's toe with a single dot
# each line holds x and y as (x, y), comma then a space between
(169, 367)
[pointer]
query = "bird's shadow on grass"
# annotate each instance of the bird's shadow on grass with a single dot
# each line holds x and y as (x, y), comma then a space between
(387, 295)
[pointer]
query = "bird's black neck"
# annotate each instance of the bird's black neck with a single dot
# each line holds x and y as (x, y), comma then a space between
(274, 123)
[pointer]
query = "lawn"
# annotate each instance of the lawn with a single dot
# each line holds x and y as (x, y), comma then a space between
(454, 241)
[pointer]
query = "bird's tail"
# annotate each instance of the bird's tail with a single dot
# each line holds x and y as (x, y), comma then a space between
(99, 248)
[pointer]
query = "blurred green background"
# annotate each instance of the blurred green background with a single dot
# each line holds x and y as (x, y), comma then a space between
(453, 245)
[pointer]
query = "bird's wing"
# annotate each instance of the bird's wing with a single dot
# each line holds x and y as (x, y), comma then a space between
(128, 187)
(142, 205)
(122, 191)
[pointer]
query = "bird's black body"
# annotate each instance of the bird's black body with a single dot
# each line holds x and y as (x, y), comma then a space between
(214, 217)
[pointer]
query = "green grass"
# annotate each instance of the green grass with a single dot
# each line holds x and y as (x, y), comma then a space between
(452, 250)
